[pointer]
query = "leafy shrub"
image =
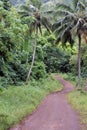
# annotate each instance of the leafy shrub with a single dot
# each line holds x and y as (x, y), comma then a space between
(56, 59)
(39, 70)
(73, 64)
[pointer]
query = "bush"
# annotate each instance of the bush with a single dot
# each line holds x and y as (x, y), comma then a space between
(39, 71)
(56, 59)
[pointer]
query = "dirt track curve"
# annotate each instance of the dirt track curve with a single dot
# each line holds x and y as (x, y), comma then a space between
(53, 114)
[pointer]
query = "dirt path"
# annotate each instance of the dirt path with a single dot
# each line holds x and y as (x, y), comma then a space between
(53, 114)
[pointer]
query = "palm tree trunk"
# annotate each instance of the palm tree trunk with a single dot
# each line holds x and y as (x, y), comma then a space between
(79, 62)
(33, 58)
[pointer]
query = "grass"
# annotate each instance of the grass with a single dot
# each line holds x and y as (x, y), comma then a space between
(16, 102)
(78, 99)
(69, 77)
(74, 79)
(79, 102)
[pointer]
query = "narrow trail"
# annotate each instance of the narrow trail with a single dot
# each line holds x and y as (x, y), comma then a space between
(54, 113)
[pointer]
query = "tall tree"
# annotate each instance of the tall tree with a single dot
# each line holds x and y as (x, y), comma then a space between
(39, 19)
(72, 21)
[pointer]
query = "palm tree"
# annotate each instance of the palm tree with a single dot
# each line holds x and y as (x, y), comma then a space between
(39, 19)
(72, 21)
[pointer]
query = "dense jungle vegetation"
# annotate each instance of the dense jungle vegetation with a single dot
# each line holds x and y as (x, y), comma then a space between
(29, 37)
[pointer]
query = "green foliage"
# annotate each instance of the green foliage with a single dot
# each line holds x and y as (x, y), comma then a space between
(56, 60)
(38, 18)
(6, 4)
(17, 102)
(11, 57)
(72, 78)
(73, 64)
(69, 17)
(51, 39)
(84, 61)
(36, 3)
(16, 69)
(16, 48)
(39, 70)
(73, 61)
(42, 40)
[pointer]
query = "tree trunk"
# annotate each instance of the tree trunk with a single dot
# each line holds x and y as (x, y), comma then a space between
(33, 58)
(79, 62)
(86, 85)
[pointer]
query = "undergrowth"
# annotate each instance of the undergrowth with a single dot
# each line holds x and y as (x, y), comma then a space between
(18, 102)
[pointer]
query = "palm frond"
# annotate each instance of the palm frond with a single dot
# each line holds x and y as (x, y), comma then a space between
(39, 27)
(75, 3)
(64, 37)
(39, 18)
(57, 24)
(46, 23)
(46, 26)
(28, 8)
(58, 39)
(79, 3)
(85, 2)
(48, 12)
(64, 13)
(61, 28)
(31, 27)
(24, 13)
(73, 19)
(80, 7)
(70, 40)
(48, 15)
(64, 6)
(64, 34)
(63, 21)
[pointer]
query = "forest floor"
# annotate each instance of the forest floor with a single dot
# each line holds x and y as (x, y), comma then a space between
(54, 113)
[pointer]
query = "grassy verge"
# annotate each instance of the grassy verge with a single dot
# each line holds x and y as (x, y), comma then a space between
(18, 102)
(70, 77)
(79, 102)
(78, 99)
(74, 80)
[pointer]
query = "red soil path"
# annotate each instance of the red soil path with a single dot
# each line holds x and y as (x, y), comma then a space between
(54, 113)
